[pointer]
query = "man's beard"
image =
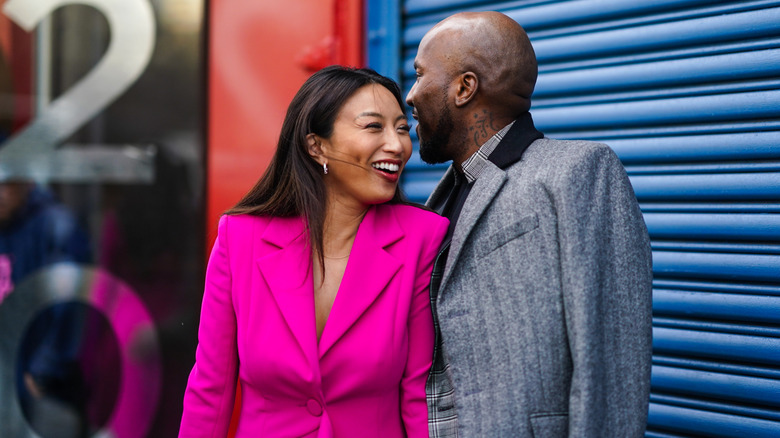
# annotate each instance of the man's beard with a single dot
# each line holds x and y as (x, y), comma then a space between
(434, 148)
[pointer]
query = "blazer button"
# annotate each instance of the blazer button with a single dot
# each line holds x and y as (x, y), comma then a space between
(314, 407)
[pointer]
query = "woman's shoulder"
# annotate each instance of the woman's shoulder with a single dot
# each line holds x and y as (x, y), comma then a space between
(242, 220)
(419, 224)
(410, 209)
(233, 223)
(416, 216)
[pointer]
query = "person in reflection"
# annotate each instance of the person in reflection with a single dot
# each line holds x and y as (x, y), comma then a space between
(316, 294)
(37, 231)
(543, 299)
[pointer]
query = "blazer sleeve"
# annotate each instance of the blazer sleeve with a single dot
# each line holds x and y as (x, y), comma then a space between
(414, 408)
(211, 389)
(606, 276)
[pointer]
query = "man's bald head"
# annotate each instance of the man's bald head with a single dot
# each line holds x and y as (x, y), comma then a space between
(495, 48)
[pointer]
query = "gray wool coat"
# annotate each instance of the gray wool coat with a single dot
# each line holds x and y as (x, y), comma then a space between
(544, 305)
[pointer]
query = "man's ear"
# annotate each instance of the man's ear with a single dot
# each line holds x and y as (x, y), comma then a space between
(314, 145)
(465, 88)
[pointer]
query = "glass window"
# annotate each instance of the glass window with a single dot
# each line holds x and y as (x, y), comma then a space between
(102, 243)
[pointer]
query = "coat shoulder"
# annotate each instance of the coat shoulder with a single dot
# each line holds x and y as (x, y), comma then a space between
(412, 214)
(418, 222)
(558, 153)
(242, 222)
(563, 162)
(241, 231)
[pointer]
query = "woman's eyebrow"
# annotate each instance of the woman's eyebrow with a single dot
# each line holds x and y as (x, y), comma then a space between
(373, 114)
(368, 114)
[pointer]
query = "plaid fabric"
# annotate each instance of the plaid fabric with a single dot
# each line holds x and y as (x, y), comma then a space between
(475, 164)
(440, 394)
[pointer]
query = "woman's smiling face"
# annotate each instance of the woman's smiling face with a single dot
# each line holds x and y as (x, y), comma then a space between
(368, 148)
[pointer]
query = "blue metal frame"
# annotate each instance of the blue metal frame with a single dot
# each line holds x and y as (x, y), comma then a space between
(383, 36)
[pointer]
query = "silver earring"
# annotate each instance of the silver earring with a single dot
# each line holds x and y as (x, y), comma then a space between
(325, 168)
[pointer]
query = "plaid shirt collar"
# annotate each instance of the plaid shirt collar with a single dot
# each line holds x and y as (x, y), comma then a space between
(475, 164)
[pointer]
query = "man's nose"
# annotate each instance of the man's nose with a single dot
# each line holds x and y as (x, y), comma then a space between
(410, 96)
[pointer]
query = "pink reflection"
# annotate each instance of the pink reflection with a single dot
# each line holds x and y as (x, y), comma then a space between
(139, 389)
(6, 285)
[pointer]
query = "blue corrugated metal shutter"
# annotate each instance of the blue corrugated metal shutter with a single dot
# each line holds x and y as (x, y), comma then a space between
(688, 94)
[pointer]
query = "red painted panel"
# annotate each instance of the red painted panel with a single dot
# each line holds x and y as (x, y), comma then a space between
(253, 74)
(260, 52)
(16, 74)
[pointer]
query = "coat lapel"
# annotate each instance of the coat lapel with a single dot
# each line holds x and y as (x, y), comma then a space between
(438, 198)
(485, 189)
(369, 270)
(288, 274)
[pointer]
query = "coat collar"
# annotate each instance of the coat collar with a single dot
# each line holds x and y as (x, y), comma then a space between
(487, 187)
(442, 191)
(287, 270)
(369, 270)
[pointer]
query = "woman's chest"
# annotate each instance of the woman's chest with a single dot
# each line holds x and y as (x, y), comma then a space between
(363, 345)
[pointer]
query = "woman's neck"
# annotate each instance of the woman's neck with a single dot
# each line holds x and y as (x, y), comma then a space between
(340, 227)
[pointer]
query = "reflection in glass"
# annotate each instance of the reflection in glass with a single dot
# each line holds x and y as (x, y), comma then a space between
(35, 230)
(68, 371)
(132, 242)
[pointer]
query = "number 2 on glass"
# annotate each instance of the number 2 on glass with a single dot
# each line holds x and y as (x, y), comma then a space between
(132, 28)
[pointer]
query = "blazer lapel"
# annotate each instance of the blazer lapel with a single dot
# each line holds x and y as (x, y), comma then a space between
(438, 198)
(369, 269)
(289, 276)
(485, 189)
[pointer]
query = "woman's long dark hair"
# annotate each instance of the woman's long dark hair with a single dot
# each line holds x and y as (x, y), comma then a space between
(293, 184)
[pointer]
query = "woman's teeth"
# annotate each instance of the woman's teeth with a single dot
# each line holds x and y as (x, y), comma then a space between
(388, 167)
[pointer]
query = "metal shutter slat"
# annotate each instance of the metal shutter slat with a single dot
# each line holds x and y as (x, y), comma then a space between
(736, 267)
(712, 424)
(739, 389)
(740, 348)
(712, 305)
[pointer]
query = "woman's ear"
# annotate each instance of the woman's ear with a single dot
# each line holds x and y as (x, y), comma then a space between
(466, 88)
(314, 145)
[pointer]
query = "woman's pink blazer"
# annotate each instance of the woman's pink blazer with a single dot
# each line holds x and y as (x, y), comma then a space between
(366, 376)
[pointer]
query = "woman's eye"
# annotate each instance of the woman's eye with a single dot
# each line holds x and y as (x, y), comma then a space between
(405, 128)
(374, 126)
